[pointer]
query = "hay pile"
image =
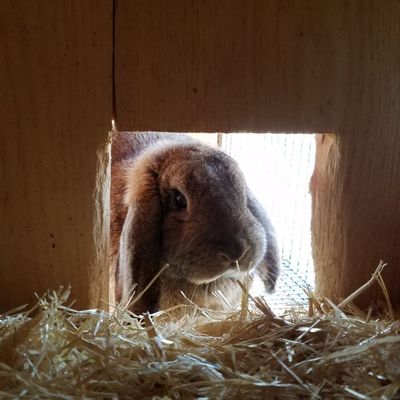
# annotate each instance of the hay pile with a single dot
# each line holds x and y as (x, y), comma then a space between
(61, 353)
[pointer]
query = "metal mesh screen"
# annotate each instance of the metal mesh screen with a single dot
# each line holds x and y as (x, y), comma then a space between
(278, 168)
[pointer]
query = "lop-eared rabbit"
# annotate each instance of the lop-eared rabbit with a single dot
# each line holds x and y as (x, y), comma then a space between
(179, 202)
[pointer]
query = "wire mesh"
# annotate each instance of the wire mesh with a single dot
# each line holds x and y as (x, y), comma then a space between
(278, 168)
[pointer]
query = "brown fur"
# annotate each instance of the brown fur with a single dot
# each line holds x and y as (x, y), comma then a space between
(222, 222)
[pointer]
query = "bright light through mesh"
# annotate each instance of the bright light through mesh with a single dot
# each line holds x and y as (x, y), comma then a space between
(278, 168)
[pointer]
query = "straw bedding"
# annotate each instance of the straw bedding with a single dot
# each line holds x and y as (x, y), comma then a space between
(325, 352)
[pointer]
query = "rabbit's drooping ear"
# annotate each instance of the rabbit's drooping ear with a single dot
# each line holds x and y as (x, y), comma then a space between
(269, 268)
(140, 245)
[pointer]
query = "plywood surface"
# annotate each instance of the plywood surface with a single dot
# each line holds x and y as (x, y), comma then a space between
(227, 65)
(291, 66)
(55, 95)
(197, 66)
(358, 198)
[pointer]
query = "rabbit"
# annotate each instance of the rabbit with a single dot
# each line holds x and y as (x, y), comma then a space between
(177, 201)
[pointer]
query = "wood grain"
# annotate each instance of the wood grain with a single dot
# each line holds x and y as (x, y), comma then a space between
(227, 65)
(197, 66)
(283, 66)
(359, 196)
(55, 88)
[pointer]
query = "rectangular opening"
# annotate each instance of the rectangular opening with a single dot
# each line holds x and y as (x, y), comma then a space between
(277, 169)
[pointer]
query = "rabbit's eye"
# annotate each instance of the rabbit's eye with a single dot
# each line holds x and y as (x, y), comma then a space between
(177, 200)
(180, 199)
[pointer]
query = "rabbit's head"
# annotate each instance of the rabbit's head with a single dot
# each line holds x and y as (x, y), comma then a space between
(189, 207)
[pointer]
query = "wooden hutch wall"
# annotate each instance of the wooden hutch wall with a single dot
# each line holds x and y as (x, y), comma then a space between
(180, 65)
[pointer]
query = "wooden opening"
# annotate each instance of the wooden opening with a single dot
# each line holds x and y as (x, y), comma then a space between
(196, 66)
(278, 169)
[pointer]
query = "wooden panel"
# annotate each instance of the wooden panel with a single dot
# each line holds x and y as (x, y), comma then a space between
(227, 65)
(55, 85)
(359, 195)
(294, 66)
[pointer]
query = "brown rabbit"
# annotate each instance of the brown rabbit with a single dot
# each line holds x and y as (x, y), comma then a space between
(177, 201)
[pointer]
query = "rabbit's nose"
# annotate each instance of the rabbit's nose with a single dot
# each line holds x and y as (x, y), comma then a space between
(234, 251)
